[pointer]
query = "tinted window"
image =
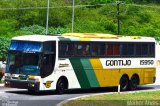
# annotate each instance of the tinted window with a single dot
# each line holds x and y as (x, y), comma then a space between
(151, 49)
(113, 49)
(144, 49)
(130, 49)
(47, 65)
(98, 49)
(124, 49)
(82, 49)
(104, 49)
(138, 49)
(66, 49)
(49, 46)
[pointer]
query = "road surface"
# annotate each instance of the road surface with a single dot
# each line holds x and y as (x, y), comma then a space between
(20, 97)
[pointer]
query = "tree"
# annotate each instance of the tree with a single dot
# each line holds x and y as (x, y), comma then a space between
(4, 45)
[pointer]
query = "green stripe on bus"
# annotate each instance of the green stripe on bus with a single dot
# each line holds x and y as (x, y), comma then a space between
(90, 73)
(63, 39)
(80, 73)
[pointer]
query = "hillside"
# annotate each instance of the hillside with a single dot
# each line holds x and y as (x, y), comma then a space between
(29, 17)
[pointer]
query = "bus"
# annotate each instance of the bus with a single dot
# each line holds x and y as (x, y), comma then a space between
(80, 61)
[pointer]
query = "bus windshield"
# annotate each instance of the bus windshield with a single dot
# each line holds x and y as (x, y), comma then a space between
(24, 63)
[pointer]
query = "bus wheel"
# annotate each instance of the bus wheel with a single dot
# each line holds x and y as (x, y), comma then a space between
(134, 82)
(124, 82)
(62, 86)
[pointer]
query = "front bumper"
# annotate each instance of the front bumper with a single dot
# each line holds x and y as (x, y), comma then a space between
(22, 84)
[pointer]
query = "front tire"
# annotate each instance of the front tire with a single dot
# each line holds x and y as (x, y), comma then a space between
(124, 83)
(61, 86)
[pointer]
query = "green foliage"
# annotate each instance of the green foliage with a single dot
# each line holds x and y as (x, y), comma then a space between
(57, 30)
(36, 29)
(4, 44)
(137, 20)
(146, 1)
(103, 1)
(7, 27)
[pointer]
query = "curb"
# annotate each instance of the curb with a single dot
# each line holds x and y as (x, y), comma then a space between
(65, 101)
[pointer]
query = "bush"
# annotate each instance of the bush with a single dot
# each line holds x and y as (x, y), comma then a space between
(4, 45)
(7, 27)
(36, 29)
(57, 30)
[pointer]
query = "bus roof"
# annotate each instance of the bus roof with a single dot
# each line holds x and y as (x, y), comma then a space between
(85, 37)
(38, 38)
(106, 37)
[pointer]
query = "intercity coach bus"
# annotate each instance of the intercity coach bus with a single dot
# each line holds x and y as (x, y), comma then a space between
(80, 60)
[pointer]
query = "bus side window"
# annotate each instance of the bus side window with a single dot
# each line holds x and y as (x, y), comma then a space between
(151, 50)
(94, 51)
(127, 49)
(78, 48)
(62, 49)
(144, 49)
(130, 50)
(116, 49)
(109, 48)
(87, 49)
(113, 49)
(66, 49)
(98, 49)
(69, 49)
(101, 49)
(82, 49)
(124, 49)
(138, 49)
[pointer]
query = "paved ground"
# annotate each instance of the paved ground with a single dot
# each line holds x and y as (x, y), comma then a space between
(22, 97)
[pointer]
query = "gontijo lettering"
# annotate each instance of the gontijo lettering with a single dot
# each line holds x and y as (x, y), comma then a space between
(118, 62)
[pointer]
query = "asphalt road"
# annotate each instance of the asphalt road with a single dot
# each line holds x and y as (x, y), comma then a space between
(20, 97)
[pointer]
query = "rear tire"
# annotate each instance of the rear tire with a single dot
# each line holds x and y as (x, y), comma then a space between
(62, 86)
(133, 82)
(124, 83)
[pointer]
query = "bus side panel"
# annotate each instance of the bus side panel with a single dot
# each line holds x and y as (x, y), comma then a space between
(90, 73)
(80, 72)
(115, 77)
(103, 75)
(149, 75)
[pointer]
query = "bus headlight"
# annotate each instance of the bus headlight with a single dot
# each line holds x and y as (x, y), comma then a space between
(33, 79)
